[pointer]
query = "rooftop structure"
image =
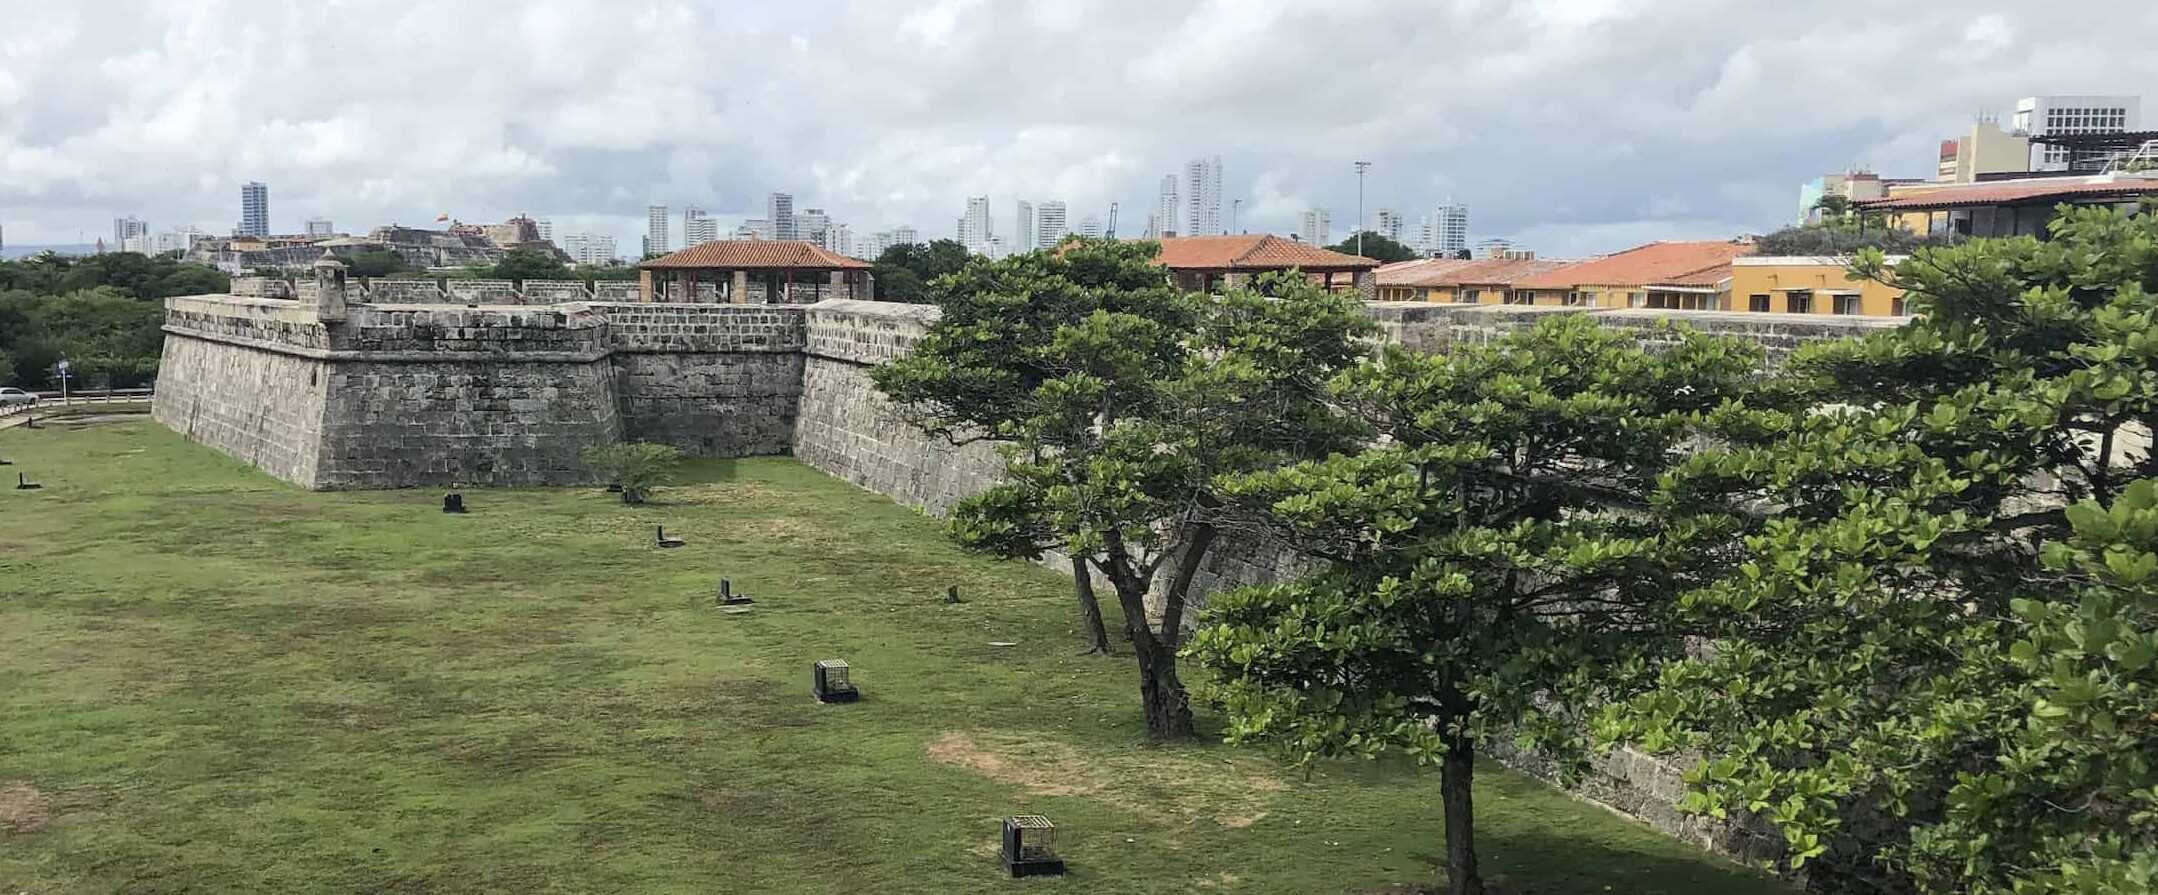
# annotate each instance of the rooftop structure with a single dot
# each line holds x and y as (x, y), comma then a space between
(2006, 207)
(1456, 280)
(766, 271)
(1205, 263)
(1678, 275)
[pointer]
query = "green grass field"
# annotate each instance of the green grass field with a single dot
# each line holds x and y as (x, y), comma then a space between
(213, 682)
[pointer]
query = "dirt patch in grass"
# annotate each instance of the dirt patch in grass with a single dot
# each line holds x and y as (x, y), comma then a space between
(1157, 786)
(1047, 769)
(23, 808)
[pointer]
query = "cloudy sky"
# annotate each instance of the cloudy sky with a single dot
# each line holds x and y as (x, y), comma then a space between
(1573, 126)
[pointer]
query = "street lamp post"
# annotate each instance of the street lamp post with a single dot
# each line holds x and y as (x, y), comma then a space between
(1235, 205)
(1361, 167)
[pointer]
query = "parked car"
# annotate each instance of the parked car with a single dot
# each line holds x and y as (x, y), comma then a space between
(13, 396)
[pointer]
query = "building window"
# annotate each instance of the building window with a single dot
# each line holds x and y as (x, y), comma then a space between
(1471, 296)
(1757, 302)
(1846, 304)
(1798, 302)
(1896, 307)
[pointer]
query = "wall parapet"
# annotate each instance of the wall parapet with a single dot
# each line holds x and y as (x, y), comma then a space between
(866, 332)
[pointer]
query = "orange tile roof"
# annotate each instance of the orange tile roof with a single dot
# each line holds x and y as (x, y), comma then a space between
(1457, 272)
(757, 254)
(1709, 276)
(1252, 252)
(2015, 192)
(1657, 262)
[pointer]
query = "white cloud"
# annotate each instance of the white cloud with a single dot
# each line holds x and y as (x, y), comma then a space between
(1590, 124)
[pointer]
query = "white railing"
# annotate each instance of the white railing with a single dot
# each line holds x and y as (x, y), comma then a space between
(48, 400)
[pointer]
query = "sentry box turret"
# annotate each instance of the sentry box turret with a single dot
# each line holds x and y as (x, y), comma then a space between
(831, 682)
(1030, 846)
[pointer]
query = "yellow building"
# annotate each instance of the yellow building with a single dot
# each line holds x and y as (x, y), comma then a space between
(1809, 285)
(1691, 276)
(1486, 281)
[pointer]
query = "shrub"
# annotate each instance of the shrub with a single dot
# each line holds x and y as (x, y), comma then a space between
(635, 468)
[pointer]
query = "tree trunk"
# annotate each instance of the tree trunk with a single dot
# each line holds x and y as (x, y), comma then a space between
(1457, 776)
(1161, 694)
(1089, 607)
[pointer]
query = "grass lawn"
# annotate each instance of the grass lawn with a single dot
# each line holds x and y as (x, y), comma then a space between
(214, 682)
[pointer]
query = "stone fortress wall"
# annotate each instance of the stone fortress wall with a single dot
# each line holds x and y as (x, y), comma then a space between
(396, 392)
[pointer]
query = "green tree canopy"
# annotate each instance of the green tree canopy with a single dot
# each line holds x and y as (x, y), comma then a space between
(1376, 247)
(529, 264)
(1118, 401)
(373, 263)
(1938, 626)
(1483, 558)
(905, 272)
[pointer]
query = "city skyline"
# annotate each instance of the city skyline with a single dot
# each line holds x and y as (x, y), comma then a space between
(910, 130)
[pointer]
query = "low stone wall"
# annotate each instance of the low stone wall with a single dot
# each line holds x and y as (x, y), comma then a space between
(439, 394)
(1427, 326)
(231, 387)
(385, 291)
(848, 429)
(713, 380)
(552, 292)
(482, 292)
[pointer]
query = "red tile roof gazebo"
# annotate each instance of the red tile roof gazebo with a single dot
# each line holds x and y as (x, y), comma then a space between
(1204, 263)
(766, 271)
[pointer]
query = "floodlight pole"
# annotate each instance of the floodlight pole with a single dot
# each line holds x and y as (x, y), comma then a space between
(1361, 167)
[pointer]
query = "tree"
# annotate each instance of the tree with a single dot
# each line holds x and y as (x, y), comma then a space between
(635, 468)
(529, 264)
(1376, 247)
(7, 369)
(1833, 205)
(905, 272)
(1117, 401)
(1932, 656)
(1485, 557)
(376, 263)
(1845, 236)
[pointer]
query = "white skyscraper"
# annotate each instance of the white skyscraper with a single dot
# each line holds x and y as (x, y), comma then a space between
(976, 227)
(1202, 197)
(122, 228)
(698, 228)
(544, 225)
(1023, 228)
(656, 237)
(180, 239)
(754, 228)
(810, 224)
(589, 248)
(1049, 225)
(905, 236)
(1090, 227)
(254, 208)
(1390, 224)
(1165, 209)
(779, 209)
(1449, 230)
(840, 238)
(1316, 228)
(2055, 116)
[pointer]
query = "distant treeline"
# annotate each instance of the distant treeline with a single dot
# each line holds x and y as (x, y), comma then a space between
(100, 312)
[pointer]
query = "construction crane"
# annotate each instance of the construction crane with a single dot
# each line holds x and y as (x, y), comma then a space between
(1110, 233)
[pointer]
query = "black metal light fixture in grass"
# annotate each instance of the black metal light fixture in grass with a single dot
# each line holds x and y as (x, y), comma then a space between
(727, 596)
(453, 503)
(23, 484)
(830, 679)
(1030, 846)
